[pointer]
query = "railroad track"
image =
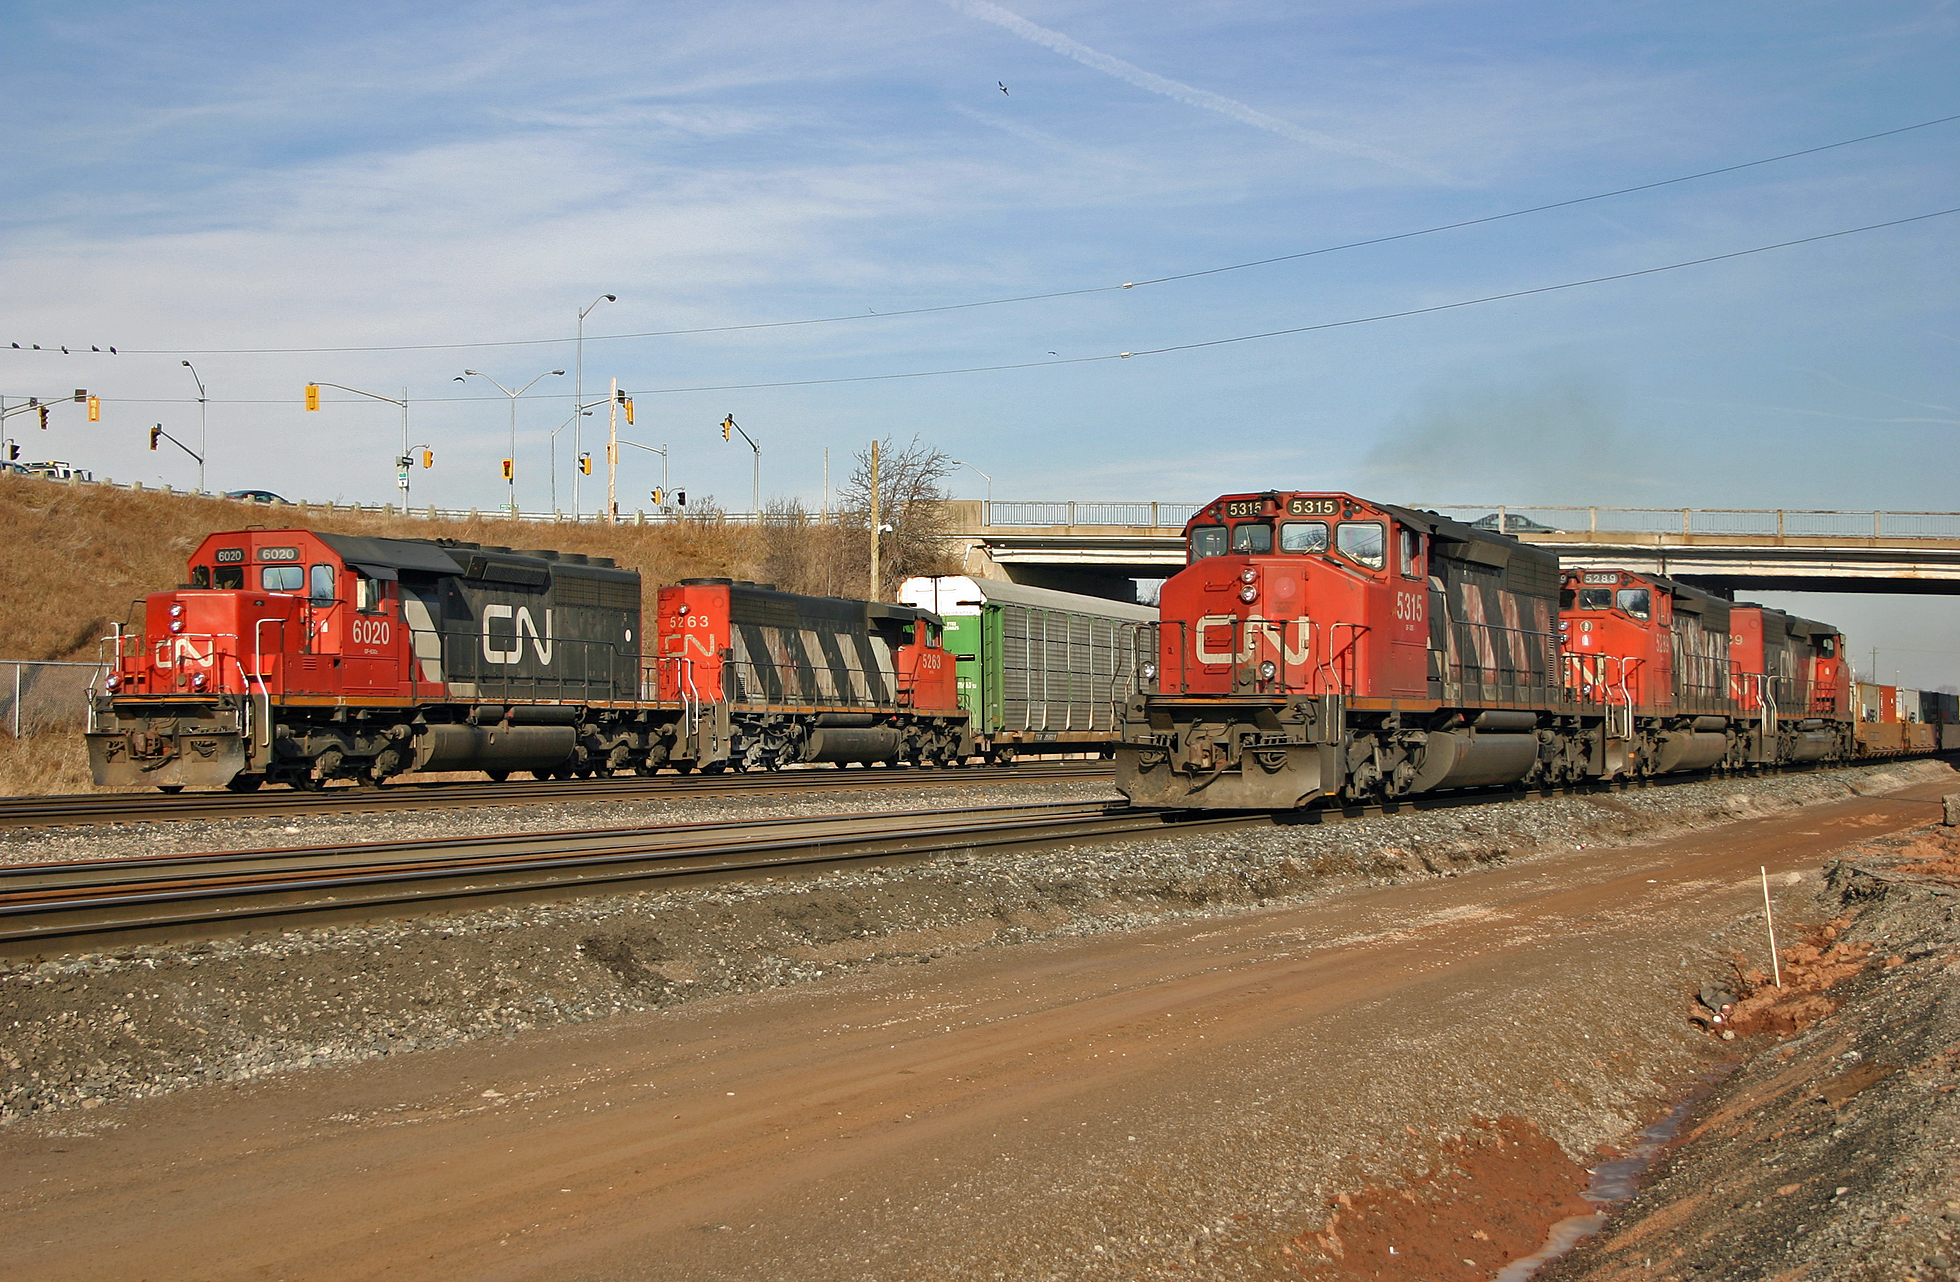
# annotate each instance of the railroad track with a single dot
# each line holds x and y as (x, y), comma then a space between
(94, 903)
(148, 807)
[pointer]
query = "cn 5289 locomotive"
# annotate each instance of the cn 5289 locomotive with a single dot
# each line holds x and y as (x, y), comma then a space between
(1322, 646)
(299, 656)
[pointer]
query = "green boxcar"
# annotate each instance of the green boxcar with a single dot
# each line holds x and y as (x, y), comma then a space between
(1039, 671)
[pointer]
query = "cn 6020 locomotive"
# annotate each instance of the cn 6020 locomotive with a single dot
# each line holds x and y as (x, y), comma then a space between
(1322, 646)
(299, 656)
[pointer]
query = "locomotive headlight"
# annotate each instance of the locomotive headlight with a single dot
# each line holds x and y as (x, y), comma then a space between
(1248, 574)
(1248, 594)
(1268, 669)
(177, 611)
(197, 681)
(112, 683)
(681, 608)
(1149, 670)
(176, 625)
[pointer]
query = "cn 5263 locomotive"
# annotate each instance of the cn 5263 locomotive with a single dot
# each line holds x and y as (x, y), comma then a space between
(1322, 646)
(299, 656)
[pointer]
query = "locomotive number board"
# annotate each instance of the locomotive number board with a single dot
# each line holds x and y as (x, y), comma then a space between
(228, 556)
(278, 554)
(1602, 576)
(1245, 507)
(1312, 507)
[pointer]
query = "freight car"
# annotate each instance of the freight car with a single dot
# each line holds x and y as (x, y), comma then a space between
(299, 656)
(1318, 645)
(1040, 671)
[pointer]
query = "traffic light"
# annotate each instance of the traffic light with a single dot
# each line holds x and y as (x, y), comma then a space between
(585, 464)
(727, 424)
(154, 433)
(627, 401)
(95, 409)
(428, 458)
(44, 418)
(659, 497)
(81, 393)
(680, 498)
(510, 469)
(313, 396)
(13, 452)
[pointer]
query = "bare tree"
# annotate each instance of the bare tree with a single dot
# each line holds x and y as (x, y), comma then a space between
(912, 502)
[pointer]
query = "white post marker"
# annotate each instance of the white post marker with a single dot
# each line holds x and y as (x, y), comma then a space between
(1774, 968)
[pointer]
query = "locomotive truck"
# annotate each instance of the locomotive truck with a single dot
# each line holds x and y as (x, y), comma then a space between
(302, 656)
(1322, 646)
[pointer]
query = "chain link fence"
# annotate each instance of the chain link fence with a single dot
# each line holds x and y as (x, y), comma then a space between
(37, 697)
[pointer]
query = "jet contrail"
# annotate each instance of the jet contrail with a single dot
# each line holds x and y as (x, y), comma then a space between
(1177, 90)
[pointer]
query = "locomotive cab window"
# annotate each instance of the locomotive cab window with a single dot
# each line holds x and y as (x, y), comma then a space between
(1409, 545)
(280, 578)
(368, 594)
(229, 578)
(322, 585)
(1252, 537)
(1364, 543)
(1827, 647)
(1207, 540)
(200, 576)
(1636, 602)
(1303, 536)
(1595, 598)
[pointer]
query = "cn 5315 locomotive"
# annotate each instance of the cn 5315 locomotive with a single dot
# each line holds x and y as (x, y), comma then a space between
(299, 656)
(1318, 645)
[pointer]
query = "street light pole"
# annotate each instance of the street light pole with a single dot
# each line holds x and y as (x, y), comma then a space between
(510, 463)
(203, 446)
(987, 514)
(578, 399)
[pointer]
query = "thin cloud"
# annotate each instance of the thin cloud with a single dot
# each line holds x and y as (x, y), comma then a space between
(1177, 90)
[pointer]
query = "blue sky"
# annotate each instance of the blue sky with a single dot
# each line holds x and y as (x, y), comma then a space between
(196, 180)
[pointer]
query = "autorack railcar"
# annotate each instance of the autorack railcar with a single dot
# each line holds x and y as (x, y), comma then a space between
(1040, 671)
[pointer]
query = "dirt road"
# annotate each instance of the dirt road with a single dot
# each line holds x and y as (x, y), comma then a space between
(1180, 1101)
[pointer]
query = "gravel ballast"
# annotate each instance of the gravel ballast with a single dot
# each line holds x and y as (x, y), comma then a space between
(88, 1029)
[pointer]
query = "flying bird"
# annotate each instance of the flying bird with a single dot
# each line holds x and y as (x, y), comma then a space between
(1003, 87)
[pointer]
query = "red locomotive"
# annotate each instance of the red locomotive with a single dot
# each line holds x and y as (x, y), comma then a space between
(1322, 646)
(299, 656)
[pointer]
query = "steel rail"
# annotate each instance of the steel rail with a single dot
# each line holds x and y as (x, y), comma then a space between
(162, 896)
(145, 807)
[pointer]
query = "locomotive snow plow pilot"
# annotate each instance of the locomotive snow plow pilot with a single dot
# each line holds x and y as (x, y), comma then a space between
(299, 656)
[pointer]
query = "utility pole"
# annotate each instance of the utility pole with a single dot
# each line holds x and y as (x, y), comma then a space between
(612, 459)
(756, 501)
(578, 397)
(874, 520)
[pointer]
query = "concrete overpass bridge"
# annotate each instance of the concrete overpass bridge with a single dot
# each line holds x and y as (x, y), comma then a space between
(1100, 548)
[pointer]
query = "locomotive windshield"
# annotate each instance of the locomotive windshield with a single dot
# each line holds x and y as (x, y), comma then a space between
(280, 578)
(1255, 537)
(1303, 536)
(1636, 601)
(1364, 543)
(1595, 598)
(1207, 540)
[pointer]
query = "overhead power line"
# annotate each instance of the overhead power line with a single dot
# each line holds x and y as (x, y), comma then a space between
(1212, 342)
(1068, 293)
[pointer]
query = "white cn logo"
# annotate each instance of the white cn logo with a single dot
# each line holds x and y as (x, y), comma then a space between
(523, 625)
